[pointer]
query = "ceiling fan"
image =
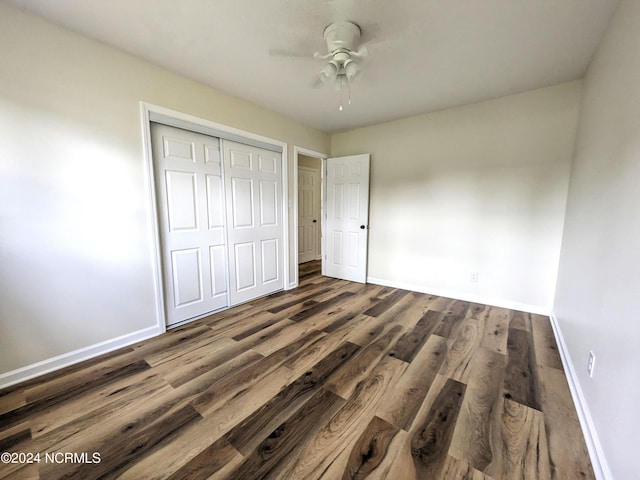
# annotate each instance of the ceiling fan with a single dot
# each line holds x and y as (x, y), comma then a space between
(342, 39)
(343, 54)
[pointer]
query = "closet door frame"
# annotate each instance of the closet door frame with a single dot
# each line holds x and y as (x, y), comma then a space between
(155, 113)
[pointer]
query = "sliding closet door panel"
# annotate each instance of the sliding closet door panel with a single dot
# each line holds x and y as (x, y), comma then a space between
(192, 216)
(253, 187)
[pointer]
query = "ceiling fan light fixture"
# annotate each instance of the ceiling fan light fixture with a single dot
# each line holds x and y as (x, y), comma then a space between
(329, 72)
(342, 40)
(352, 70)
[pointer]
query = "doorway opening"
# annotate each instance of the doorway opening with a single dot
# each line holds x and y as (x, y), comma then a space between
(309, 178)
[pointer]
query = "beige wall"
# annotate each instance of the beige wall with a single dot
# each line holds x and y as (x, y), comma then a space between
(76, 266)
(596, 300)
(479, 188)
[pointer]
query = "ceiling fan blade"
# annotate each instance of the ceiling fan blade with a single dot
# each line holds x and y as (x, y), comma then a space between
(362, 52)
(317, 83)
(275, 52)
(319, 56)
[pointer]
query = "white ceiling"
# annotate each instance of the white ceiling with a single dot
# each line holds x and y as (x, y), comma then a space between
(426, 55)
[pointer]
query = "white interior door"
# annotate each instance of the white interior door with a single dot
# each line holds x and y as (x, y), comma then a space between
(255, 236)
(308, 213)
(347, 210)
(189, 188)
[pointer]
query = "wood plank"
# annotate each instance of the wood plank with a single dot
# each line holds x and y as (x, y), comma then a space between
(344, 381)
(224, 389)
(370, 450)
(208, 358)
(385, 304)
(521, 321)
(172, 339)
(447, 327)
(15, 440)
(274, 453)
(521, 378)
(400, 405)
(12, 440)
(455, 469)
(524, 453)
(117, 451)
(432, 435)
(12, 401)
(296, 301)
(66, 388)
(569, 458)
(449, 306)
(19, 471)
(65, 419)
(304, 359)
(462, 348)
(320, 307)
(477, 433)
(292, 334)
(496, 329)
(328, 452)
(544, 342)
(215, 424)
(407, 347)
(211, 460)
(247, 434)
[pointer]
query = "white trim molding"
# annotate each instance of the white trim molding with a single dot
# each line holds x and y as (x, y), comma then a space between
(86, 353)
(467, 297)
(596, 453)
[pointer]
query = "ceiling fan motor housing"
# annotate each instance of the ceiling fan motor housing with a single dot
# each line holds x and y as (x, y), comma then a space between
(342, 36)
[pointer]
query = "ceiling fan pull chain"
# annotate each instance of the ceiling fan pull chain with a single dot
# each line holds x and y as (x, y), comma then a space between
(341, 84)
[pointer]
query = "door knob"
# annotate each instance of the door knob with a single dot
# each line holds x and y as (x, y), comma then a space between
(315, 221)
(362, 227)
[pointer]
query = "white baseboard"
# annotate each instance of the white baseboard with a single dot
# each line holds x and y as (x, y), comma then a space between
(598, 460)
(55, 363)
(496, 302)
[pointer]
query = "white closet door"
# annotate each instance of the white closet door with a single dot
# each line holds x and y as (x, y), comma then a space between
(189, 189)
(253, 188)
(347, 217)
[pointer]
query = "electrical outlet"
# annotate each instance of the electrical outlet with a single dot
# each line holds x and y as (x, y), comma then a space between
(591, 363)
(473, 277)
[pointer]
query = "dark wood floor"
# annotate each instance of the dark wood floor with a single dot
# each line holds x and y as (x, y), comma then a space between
(333, 380)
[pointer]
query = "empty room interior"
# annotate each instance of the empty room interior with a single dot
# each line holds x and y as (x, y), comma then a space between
(324, 239)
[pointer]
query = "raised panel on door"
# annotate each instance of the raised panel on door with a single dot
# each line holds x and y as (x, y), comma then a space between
(192, 217)
(245, 266)
(218, 271)
(270, 260)
(253, 186)
(347, 217)
(186, 271)
(182, 206)
(242, 202)
(179, 149)
(268, 205)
